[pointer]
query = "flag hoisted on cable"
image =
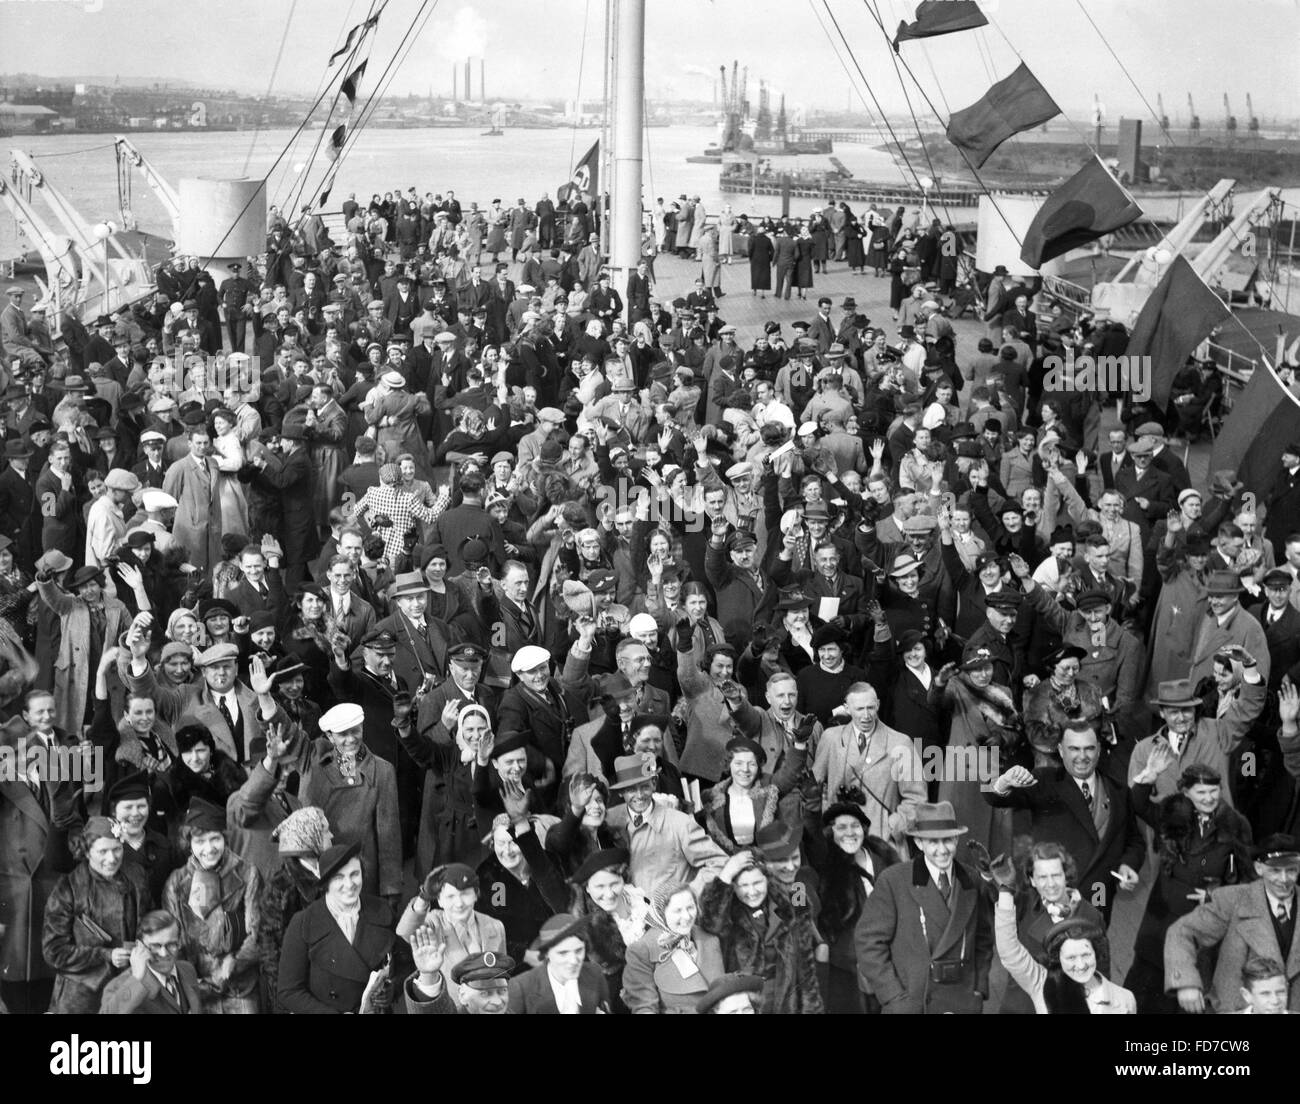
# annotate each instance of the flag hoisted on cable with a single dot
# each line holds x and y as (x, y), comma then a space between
(941, 17)
(1088, 206)
(356, 35)
(349, 89)
(584, 176)
(1016, 103)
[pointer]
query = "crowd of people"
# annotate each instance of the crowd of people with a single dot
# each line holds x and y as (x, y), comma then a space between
(504, 642)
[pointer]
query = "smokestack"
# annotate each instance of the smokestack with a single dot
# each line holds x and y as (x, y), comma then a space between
(469, 83)
(455, 82)
(482, 79)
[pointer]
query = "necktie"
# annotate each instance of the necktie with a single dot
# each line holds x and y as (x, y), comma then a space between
(1282, 910)
(172, 991)
(228, 711)
(1087, 794)
(637, 821)
(862, 743)
(945, 885)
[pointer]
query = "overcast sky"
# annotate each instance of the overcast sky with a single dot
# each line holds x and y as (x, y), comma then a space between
(534, 47)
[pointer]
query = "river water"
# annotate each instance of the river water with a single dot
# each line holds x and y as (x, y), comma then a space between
(522, 163)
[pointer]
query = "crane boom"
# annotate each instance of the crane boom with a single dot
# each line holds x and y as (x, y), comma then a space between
(127, 154)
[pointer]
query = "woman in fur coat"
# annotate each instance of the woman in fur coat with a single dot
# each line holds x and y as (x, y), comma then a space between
(983, 719)
(1059, 698)
(747, 800)
(761, 933)
(620, 915)
(1201, 843)
(854, 860)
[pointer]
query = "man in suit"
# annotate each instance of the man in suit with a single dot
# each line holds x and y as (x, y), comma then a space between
(784, 252)
(1148, 493)
(1116, 460)
(192, 482)
(565, 984)
(925, 938)
(225, 706)
(1283, 501)
(260, 589)
(289, 475)
(1279, 619)
(1257, 919)
(540, 706)
(638, 294)
(402, 305)
(39, 818)
(821, 330)
(1162, 457)
(997, 302)
(631, 657)
(17, 497)
(422, 640)
(1083, 808)
(158, 983)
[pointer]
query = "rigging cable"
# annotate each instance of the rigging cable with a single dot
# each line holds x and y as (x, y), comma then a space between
(894, 148)
(577, 102)
(275, 69)
(983, 187)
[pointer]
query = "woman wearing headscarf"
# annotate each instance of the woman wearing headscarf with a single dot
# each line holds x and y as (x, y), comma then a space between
(449, 829)
(334, 947)
(673, 964)
(301, 839)
(91, 919)
(761, 933)
(214, 896)
(446, 906)
(619, 914)
(854, 860)
(983, 716)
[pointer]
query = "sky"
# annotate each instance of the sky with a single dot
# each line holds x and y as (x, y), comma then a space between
(535, 48)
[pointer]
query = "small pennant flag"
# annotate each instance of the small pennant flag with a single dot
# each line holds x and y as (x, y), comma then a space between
(352, 80)
(941, 17)
(1015, 104)
(336, 142)
(355, 35)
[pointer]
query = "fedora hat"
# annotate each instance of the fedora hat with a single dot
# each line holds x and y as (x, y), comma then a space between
(1175, 694)
(1223, 584)
(632, 770)
(407, 585)
(937, 821)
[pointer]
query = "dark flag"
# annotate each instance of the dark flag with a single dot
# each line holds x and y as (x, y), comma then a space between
(941, 17)
(1181, 313)
(336, 142)
(350, 82)
(1014, 104)
(355, 35)
(584, 177)
(1086, 207)
(1265, 419)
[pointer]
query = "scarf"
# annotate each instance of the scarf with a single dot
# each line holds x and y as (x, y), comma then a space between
(993, 703)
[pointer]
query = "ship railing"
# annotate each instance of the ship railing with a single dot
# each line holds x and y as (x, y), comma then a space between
(1070, 295)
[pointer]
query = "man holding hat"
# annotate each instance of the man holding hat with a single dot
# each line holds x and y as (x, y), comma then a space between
(925, 940)
(1240, 921)
(1210, 741)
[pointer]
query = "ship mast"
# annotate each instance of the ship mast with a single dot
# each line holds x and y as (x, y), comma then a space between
(628, 137)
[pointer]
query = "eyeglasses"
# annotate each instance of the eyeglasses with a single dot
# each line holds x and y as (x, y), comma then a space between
(163, 948)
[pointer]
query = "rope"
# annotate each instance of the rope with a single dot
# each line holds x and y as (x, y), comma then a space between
(1152, 110)
(279, 55)
(978, 179)
(75, 152)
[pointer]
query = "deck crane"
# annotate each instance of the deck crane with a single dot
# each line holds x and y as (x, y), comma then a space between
(1253, 120)
(128, 157)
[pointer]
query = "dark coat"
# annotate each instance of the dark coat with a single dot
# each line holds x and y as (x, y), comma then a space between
(85, 918)
(17, 498)
(522, 711)
(906, 928)
(522, 909)
(1058, 813)
(320, 972)
(293, 480)
(34, 853)
(531, 993)
(780, 951)
(843, 897)
(289, 890)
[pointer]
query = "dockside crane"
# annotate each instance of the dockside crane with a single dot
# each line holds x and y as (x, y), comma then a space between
(1194, 123)
(1164, 119)
(1253, 124)
(1229, 119)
